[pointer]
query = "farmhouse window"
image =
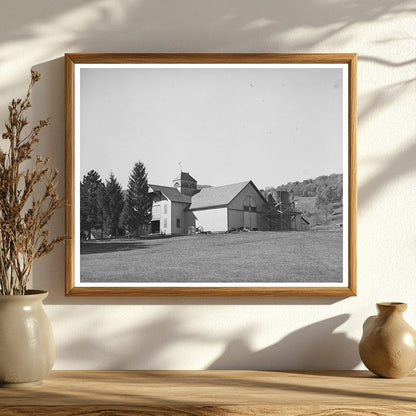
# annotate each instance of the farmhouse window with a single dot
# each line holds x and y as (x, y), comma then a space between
(178, 223)
(165, 208)
(165, 223)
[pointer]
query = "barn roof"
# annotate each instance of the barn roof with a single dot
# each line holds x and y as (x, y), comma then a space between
(217, 195)
(171, 193)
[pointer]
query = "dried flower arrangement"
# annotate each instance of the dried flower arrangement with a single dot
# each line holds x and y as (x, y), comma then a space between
(28, 199)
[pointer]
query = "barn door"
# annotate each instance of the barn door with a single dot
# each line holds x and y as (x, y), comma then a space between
(250, 213)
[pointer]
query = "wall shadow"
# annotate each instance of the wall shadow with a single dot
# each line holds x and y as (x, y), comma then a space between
(241, 26)
(150, 26)
(141, 346)
(314, 347)
(391, 170)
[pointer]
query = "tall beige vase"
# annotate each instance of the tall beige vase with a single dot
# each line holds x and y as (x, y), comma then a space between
(27, 347)
(388, 345)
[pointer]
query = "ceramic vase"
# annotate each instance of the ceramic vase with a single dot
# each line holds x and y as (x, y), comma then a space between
(388, 345)
(27, 347)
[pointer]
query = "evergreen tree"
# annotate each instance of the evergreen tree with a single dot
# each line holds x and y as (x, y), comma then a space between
(138, 205)
(91, 214)
(112, 200)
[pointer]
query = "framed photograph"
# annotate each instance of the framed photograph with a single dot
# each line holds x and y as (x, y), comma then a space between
(211, 174)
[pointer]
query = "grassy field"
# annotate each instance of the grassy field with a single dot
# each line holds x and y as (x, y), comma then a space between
(237, 257)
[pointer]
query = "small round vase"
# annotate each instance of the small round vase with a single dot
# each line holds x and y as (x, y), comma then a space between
(388, 345)
(27, 347)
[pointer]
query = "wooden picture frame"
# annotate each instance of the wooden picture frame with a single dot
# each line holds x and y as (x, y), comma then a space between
(81, 120)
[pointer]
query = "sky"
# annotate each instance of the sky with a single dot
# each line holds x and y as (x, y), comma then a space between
(223, 125)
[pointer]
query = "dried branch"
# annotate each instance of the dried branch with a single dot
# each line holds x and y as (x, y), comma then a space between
(23, 218)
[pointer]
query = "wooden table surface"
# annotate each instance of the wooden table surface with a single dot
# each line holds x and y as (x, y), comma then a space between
(201, 393)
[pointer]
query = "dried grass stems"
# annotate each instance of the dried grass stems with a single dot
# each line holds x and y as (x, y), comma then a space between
(28, 199)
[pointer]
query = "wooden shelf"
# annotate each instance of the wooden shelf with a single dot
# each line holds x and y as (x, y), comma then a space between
(203, 393)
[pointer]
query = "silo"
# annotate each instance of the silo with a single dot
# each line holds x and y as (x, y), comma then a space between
(278, 211)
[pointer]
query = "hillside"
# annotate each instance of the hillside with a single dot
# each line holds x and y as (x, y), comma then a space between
(318, 219)
(319, 199)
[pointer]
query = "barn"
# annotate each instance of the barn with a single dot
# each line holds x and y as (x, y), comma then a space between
(229, 207)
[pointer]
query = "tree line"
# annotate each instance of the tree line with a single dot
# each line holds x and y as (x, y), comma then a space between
(111, 212)
(326, 188)
(329, 185)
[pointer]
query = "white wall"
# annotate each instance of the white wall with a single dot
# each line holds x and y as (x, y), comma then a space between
(214, 219)
(197, 333)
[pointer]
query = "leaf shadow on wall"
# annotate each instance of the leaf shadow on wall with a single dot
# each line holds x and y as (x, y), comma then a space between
(312, 347)
(315, 346)
(138, 347)
(397, 166)
(150, 26)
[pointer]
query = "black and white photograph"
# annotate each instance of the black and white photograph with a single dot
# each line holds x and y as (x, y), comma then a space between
(212, 175)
